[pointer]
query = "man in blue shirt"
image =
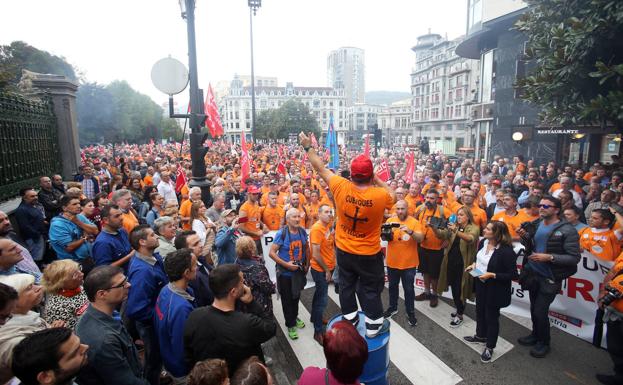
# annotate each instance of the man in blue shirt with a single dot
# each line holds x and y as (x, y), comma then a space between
(147, 276)
(112, 245)
(290, 251)
(30, 216)
(226, 237)
(173, 306)
(69, 231)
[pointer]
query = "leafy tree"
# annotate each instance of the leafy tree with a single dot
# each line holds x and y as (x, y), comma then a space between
(18, 56)
(292, 117)
(171, 129)
(577, 47)
(95, 106)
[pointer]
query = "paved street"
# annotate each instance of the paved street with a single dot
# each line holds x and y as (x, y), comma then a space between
(433, 353)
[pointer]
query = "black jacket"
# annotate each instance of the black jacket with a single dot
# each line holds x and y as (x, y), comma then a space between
(503, 263)
(51, 201)
(233, 336)
(563, 243)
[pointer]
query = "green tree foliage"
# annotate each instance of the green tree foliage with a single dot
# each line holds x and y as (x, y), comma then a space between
(18, 56)
(95, 108)
(292, 117)
(171, 129)
(577, 46)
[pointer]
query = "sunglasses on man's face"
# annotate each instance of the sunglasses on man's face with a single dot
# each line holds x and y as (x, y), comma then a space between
(546, 206)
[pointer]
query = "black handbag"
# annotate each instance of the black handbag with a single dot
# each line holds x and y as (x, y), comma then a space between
(527, 277)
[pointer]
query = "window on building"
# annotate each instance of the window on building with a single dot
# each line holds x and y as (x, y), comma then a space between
(237, 125)
(237, 115)
(459, 94)
(449, 95)
(247, 115)
(457, 111)
(248, 125)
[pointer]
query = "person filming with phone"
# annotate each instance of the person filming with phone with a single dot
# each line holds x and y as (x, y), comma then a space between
(493, 272)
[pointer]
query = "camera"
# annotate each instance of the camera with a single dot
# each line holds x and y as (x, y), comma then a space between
(618, 208)
(611, 295)
(387, 231)
(438, 223)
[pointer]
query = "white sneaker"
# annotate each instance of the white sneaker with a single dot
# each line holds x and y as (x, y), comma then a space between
(456, 322)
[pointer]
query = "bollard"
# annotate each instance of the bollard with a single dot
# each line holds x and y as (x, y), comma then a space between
(375, 370)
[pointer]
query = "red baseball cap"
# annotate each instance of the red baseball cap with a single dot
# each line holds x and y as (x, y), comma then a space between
(450, 174)
(361, 167)
(253, 189)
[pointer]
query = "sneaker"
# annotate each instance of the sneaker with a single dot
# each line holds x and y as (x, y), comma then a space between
(319, 338)
(412, 320)
(529, 340)
(456, 322)
(475, 339)
(486, 355)
(354, 321)
(383, 329)
(422, 297)
(540, 350)
(300, 324)
(390, 312)
(453, 314)
(293, 334)
(434, 301)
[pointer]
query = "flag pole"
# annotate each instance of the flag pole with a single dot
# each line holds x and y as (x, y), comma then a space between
(183, 135)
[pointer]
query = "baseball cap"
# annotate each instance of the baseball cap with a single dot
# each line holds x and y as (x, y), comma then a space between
(273, 182)
(450, 174)
(361, 167)
(253, 190)
(226, 212)
(496, 181)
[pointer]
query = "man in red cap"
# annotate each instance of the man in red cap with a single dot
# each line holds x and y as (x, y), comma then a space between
(360, 206)
(250, 217)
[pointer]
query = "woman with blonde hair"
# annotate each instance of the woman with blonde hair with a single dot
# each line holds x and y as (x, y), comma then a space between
(495, 269)
(66, 300)
(460, 252)
(255, 273)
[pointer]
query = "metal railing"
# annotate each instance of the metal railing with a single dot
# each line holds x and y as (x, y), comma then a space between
(28, 143)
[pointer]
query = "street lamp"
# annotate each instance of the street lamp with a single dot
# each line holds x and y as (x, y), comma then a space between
(253, 6)
(197, 151)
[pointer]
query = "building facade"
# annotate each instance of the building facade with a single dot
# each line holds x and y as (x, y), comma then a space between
(322, 102)
(442, 86)
(395, 124)
(362, 119)
(346, 71)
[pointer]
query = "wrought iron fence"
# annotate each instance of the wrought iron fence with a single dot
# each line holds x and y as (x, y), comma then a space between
(28, 143)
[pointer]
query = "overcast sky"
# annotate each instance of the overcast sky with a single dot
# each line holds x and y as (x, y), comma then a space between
(122, 39)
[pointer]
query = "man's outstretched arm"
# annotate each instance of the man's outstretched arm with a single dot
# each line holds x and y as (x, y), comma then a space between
(314, 159)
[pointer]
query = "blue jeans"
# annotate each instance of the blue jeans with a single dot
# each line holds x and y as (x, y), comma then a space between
(153, 360)
(36, 248)
(319, 303)
(408, 279)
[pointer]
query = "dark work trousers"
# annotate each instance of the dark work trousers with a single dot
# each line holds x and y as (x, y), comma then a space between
(407, 276)
(614, 338)
(153, 360)
(289, 305)
(487, 316)
(365, 276)
(455, 279)
(542, 295)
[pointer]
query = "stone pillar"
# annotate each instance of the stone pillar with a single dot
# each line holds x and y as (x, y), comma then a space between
(62, 92)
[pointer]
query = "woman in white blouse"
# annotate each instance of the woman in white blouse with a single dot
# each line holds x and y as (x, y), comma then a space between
(203, 226)
(495, 269)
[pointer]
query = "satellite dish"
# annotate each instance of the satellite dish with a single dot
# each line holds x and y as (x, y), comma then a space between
(169, 76)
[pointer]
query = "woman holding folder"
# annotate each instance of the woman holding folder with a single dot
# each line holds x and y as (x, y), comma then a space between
(494, 270)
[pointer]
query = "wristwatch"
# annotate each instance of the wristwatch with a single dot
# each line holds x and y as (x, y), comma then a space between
(306, 148)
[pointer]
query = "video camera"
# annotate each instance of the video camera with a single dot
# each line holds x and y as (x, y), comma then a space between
(612, 294)
(387, 231)
(438, 223)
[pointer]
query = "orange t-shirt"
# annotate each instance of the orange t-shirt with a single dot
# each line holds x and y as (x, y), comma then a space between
(185, 212)
(254, 222)
(430, 241)
(403, 254)
(129, 221)
(528, 216)
(265, 189)
(148, 180)
(272, 217)
(413, 202)
(323, 236)
(512, 222)
(325, 200)
(604, 244)
(360, 213)
(312, 213)
(480, 216)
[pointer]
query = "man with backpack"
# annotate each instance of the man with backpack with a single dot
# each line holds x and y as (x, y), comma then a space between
(290, 251)
(552, 255)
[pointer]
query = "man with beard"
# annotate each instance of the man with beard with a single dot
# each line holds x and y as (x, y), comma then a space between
(30, 217)
(50, 198)
(51, 356)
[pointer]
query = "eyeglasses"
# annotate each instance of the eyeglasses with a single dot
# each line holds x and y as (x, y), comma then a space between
(119, 286)
(546, 206)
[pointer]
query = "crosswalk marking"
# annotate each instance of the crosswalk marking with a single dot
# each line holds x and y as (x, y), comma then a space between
(413, 359)
(441, 316)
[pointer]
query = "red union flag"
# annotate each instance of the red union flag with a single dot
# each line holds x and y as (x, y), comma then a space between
(213, 120)
(180, 179)
(410, 168)
(383, 171)
(366, 148)
(244, 161)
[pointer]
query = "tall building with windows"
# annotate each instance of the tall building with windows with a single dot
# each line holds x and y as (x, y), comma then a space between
(442, 86)
(395, 124)
(235, 107)
(504, 123)
(346, 71)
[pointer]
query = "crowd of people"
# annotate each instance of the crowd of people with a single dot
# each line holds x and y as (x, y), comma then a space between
(129, 275)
